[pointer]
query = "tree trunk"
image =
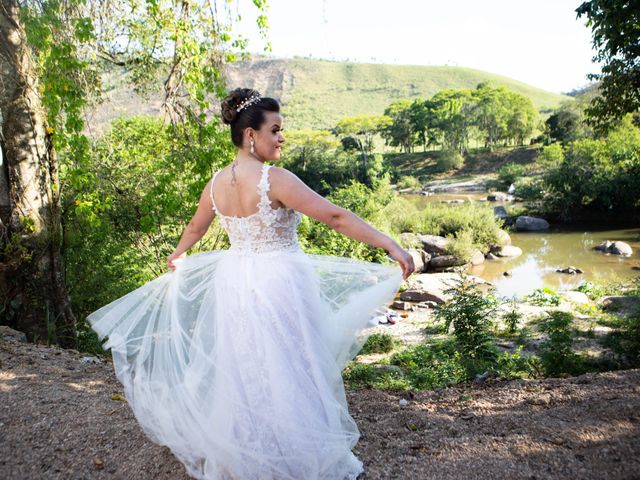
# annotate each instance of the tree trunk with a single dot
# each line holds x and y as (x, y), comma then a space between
(32, 287)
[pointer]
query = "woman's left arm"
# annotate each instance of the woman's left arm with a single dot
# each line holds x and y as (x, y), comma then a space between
(196, 228)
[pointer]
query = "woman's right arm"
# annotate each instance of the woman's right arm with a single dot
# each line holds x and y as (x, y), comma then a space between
(295, 194)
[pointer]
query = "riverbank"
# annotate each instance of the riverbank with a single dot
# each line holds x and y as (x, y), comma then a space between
(64, 418)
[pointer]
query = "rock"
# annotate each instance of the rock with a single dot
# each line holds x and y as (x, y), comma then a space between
(445, 261)
(491, 256)
(508, 251)
(604, 246)
(620, 248)
(452, 202)
(503, 238)
(400, 305)
(429, 287)
(389, 369)
(635, 267)
(428, 304)
(8, 333)
(418, 260)
(477, 258)
(410, 240)
(497, 197)
(481, 378)
(508, 273)
(500, 212)
(570, 270)
(89, 360)
(403, 402)
(620, 304)
(512, 189)
(578, 298)
(434, 244)
(531, 224)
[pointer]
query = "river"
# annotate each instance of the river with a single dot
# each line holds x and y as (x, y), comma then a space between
(545, 252)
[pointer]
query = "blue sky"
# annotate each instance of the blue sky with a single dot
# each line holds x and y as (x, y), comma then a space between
(540, 43)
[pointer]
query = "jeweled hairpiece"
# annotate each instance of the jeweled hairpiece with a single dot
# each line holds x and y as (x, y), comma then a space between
(248, 102)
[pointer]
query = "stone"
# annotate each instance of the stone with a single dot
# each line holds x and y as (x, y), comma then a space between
(508, 273)
(400, 305)
(497, 197)
(445, 261)
(418, 260)
(428, 304)
(410, 240)
(403, 402)
(621, 248)
(477, 258)
(531, 224)
(620, 304)
(604, 246)
(508, 251)
(429, 287)
(434, 244)
(578, 298)
(89, 360)
(503, 238)
(491, 256)
(500, 212)
(8, 333)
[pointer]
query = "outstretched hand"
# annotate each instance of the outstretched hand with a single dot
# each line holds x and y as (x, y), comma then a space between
(404, 259)
(171, 258)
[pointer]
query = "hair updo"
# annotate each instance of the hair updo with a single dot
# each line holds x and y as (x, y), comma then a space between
(251, 116)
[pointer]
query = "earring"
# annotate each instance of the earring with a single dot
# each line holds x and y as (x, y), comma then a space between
(252, 149)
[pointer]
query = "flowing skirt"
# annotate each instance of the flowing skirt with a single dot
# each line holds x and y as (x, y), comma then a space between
(234, 360)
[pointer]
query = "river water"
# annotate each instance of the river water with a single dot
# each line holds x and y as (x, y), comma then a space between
(545, 252)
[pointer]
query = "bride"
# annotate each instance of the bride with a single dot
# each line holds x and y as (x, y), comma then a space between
(233, 358)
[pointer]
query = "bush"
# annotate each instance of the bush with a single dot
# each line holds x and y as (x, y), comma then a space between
(407, 181)
(431, 366)
(449, 160)
(512, 317)
(469, 312)
(378, 343)
(557, 355)
(461, 244)
(509, 173)
(544, 296)
(529, 188)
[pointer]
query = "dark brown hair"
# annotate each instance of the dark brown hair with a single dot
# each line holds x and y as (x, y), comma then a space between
(251, 116)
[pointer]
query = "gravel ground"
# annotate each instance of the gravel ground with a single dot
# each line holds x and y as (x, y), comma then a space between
(62, 419)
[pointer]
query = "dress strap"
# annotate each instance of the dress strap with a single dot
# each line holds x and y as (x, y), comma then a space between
(263, 186)
(211, 191)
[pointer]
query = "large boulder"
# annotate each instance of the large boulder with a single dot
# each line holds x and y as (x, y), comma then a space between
(507, 251)
(497, 197)
(531, 224)
(620, 304)
(604, 246)
(578, 298)
(434, 244)
(410, 240)
(500, 212)
(445, 261)
(503, 238)
(8, 333)
(477, 258)
(420, 259)
(621, 248)
(430, 287)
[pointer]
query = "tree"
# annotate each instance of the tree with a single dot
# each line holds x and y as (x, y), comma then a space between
(615, 26)
(51, 55)
(401, 131)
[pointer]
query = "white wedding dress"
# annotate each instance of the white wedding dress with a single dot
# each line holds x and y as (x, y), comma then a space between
(234, 359)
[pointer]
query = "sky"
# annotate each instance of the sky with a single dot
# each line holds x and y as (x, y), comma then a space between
(541, 43)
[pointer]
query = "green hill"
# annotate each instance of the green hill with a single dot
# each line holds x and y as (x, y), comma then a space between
(317, 93)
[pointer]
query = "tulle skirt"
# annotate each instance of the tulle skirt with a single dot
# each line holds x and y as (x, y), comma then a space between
(234, 360)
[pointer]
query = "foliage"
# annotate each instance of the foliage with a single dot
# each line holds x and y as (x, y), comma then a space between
(378, 343)
(566, 123)
(598, 174)
(509, 173)
(407, 181)
(400, 130)
(596, 290)
(450, 160)
(469, 311)
(363, 128)
(361, 375)
(616, 37)
(529, 188)
(512, 317)
(557, 355)
(544, 296)
(461, 244)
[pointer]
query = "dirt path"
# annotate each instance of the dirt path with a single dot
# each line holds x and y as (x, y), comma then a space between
(60, 419)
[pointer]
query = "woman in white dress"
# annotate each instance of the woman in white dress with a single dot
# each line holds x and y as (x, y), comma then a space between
(233, 358)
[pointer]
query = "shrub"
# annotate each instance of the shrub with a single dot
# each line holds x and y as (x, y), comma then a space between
(510, 172)
(449, 160)
(557, 355)
(512, 317)
(469, 312)
(407, 181)
(529, 188)
(544, 296)
(461, 244)
(378, 343)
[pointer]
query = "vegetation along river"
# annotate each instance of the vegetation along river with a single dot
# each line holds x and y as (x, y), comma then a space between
(557, 248)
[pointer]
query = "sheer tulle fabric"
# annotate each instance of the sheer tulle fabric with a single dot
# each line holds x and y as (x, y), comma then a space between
(234, 359)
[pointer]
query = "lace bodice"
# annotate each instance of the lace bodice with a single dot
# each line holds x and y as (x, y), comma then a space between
(267, 230)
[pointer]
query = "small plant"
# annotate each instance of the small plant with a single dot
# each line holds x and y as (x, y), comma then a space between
(469, 311)
(544, 296)
(359, 375)
(512, 317)
(378, 343)
(557, 354)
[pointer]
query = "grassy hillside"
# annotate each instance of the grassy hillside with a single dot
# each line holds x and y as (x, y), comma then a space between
(317, 93)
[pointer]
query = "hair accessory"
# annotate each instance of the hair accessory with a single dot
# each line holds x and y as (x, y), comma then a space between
(248, 102)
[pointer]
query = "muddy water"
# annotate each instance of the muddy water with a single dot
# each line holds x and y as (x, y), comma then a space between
(560, 247)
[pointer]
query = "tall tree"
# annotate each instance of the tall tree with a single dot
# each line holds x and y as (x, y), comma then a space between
(615, 26)
(51, 53)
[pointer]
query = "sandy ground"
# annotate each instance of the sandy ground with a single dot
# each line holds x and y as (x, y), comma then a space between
(62, 419)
